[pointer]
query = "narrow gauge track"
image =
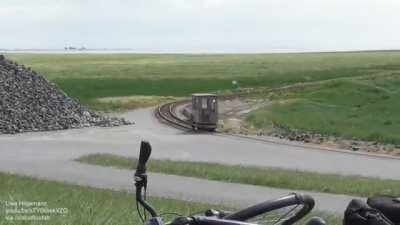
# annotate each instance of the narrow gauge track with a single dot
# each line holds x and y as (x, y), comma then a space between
(167, 114)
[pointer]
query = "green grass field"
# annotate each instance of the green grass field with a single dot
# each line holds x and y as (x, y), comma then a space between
(296, 180)
(359, 103)
(87, 77)
(365, 108)
(85, 205)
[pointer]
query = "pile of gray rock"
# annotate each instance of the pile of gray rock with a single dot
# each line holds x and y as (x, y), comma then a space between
(285, 132)
(28, 102)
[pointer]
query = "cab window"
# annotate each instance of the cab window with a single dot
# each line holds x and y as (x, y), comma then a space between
(204, 103)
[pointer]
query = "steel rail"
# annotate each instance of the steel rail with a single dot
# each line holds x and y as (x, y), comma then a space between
(167, 114)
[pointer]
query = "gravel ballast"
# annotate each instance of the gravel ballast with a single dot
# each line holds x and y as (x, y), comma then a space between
(28, 102)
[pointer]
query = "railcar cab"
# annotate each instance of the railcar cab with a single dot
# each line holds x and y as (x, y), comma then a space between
(204, 111)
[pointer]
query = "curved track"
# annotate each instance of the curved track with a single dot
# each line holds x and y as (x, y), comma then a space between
(167, 114)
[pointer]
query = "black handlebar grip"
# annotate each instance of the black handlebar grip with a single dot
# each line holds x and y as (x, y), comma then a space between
(144, 155)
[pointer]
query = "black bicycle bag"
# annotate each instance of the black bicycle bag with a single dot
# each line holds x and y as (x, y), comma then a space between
(389, 206)
(360, 213)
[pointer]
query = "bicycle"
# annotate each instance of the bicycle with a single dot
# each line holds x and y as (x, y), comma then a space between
(287, 210)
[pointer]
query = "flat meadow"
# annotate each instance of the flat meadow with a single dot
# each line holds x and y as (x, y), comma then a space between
(355, 96)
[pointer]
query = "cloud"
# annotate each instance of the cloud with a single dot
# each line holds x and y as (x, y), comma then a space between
(201, 25)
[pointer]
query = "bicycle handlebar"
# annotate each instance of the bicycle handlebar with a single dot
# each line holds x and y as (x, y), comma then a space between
(294, 199)
(144, 155)
(141, 177)
(236, 218)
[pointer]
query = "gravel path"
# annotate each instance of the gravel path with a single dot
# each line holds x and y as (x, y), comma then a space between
(50, 155)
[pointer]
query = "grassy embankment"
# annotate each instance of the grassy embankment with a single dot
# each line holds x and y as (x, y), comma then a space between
(329, 183)
(359, 103)
(365, 108)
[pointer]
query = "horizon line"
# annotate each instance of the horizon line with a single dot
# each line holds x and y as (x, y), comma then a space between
(135, 51)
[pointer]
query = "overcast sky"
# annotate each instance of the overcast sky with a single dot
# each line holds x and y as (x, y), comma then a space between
(201, 25)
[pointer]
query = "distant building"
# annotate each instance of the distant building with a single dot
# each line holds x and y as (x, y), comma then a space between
(72, 48)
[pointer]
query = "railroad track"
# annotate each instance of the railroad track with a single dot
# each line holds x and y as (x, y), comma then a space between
(167, 114)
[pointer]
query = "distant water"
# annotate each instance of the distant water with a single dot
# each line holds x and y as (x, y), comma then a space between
(34, 51)
(131, 51)
(39, 51)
